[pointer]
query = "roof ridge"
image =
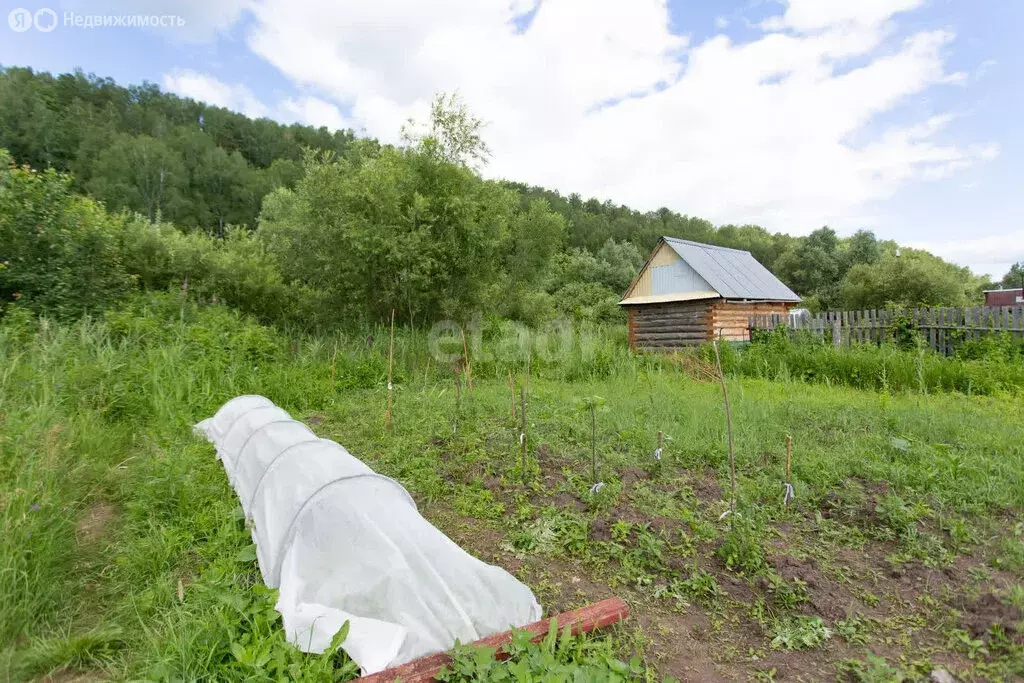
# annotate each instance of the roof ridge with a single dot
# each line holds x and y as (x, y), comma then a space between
(703, 244)
(733, 273)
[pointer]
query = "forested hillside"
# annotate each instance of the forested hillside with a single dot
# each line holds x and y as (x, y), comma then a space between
(294, 223)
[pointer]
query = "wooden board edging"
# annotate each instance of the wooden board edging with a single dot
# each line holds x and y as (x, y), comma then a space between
(595, 616)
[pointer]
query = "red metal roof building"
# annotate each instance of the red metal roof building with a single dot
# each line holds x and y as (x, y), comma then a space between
(1004, 297)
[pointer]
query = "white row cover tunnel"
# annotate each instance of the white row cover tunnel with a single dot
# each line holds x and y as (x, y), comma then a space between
(342, 542)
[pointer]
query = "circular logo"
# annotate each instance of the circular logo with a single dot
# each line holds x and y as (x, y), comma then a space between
(46, 20)
(20, 20)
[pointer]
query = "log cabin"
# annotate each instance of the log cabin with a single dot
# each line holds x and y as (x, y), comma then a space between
(689, 293)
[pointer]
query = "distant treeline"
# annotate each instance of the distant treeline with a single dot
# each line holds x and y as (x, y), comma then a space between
(432, 237)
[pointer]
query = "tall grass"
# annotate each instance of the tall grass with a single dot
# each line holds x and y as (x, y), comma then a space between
(984, 368)
(120, 547)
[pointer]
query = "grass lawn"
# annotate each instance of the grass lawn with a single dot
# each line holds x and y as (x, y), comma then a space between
(123, 554)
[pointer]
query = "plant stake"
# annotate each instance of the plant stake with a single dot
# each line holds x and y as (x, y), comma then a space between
(391, 358)
(728, 425)
(522, 433)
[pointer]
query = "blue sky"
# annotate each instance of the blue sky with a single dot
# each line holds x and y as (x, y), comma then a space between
(901, 116)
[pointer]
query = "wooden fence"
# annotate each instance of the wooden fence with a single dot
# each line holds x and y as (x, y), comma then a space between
(941, 328)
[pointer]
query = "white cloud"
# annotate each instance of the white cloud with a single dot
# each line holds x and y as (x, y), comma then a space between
(312, 111)
(992, 254)
(984, 68)
(600, 97)
(205, 88)
(816, 15)
(721, 23)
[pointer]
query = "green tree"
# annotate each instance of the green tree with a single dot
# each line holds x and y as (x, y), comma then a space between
(812, 267)
(140, 174)
(453, 136)
(861, 247)
(619, 263)
(1014, 277)
(226, 184)
(911, 278)
(59, 253)
(400, 231)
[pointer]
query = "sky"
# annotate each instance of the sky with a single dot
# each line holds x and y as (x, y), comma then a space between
(903, 117)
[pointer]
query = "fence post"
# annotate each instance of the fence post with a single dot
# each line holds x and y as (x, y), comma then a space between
(942, 332)
(933, 333)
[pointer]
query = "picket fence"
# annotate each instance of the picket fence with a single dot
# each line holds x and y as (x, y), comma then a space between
(941, 328)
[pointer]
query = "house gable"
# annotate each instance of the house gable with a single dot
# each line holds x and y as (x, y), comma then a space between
(667, 277)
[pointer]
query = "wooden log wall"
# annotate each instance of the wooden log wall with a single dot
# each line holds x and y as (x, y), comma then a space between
(730, 320)
(669, 325)
(689, 323)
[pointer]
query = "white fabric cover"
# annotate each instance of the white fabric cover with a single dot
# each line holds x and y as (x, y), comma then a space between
(343, 543)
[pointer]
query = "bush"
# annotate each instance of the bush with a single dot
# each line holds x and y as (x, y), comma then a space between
(65, 256)
(588, 301)
(61, 252)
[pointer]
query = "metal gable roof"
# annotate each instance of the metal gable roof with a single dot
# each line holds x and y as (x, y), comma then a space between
(734, 274)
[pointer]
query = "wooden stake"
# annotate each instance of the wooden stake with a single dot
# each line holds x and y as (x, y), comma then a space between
(789, 454)
(512, 393)
(661, 441)
(789, 460)
(529, 365)
(334, 359)
(458, 403)
(728, 425)
(465, 356)
(522, 433)
(593, 443)
(391, 358)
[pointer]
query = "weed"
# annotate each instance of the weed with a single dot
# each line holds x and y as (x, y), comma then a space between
(961, 640)
(799, 633)
(701, 585)
(558, 657)
(787, 594)
(872, 669)
(854, 629)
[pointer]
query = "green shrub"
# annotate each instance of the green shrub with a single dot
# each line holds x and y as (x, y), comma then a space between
(61, 253)
(740, 548)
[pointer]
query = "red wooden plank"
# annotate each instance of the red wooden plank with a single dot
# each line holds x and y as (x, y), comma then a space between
(589, 618)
